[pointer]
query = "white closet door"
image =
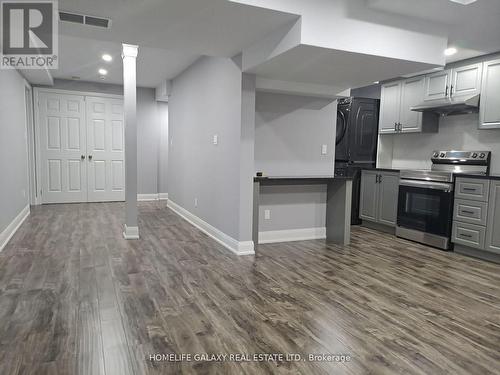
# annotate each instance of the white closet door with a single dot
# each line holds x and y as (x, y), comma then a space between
(63, 169)
(105, 149)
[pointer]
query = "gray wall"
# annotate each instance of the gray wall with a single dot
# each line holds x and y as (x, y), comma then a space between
(14, 186)
(207, 100)
(290, 131)
(455, 133)
(152, 119)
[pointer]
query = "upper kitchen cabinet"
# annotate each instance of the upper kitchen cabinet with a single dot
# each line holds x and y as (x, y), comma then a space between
(396, 115)
(390, 104)
(463, 80)
(489, 110)
(466, 80)
(437, 85)
(412, 92)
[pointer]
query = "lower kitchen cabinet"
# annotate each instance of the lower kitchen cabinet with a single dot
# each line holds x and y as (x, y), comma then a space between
(470, 228)
(493, 227)
(379, 197)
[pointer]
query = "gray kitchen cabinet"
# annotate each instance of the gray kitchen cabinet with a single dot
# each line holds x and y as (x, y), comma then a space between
(459, 81)
(475, 189)
(466, 80)
(390, 106)
(369, 195)
(469, 235)
(412, 93)
(493, 226)
(396, 115)
(437, 85)
(489, 111)
(379, 197)
(388, 198)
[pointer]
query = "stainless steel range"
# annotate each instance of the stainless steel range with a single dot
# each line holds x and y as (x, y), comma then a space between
(425, 205)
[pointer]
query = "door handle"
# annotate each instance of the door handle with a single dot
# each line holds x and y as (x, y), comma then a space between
(82, 157)
(90, 157)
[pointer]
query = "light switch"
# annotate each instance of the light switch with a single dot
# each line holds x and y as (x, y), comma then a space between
(216, 139)
(324, 149)
(267, 214)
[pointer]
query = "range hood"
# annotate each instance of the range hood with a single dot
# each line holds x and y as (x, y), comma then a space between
(450, 106)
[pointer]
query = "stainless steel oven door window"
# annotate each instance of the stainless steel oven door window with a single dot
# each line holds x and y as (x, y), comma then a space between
(425, 209)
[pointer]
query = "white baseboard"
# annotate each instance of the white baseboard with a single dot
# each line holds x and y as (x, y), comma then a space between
(12, 228)
(152, 197)
(304, 234)
(237, 247)
(130, 233)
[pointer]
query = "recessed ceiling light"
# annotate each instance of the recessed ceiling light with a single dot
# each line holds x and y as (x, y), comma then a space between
(464, 2)
(103, 72)
(376, 82)
(450, 51)
(106, 57)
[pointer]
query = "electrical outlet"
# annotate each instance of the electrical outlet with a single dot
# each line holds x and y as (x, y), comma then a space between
(196, 202)
(216, 139)
(267, 214)
(324, 149)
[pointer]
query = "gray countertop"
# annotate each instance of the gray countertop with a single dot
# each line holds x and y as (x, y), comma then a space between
(382, 169)
(324, 178)
(478, 176)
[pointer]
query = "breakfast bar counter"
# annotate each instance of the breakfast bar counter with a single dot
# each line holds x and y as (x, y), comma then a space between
(338, 205)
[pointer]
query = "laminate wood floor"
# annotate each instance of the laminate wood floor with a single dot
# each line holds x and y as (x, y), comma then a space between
(75, 298)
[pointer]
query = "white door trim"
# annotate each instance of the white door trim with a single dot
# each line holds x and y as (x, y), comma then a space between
(36, 168)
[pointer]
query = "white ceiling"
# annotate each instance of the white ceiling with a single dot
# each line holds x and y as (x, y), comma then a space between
(82, 58)
(474, 29)
(171, 35)
(332, 67)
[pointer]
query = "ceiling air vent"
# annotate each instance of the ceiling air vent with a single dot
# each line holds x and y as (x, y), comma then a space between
(85, 19)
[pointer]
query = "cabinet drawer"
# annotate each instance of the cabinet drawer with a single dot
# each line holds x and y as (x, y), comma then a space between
(473, 189)
(469, 235)
(472, 212)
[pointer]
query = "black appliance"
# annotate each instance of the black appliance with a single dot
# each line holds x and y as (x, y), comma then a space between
(356, 142)
(425, 204)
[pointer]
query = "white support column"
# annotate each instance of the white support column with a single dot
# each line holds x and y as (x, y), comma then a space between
(129, 55)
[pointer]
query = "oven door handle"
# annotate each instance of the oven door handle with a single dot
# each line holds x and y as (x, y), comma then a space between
(427, 185)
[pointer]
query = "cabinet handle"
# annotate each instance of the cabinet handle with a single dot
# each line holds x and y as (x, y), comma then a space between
(465, 235)
(400, 127)
(446, 91)
(395, 126)
(467, 212)
(82, 157)
(451, 91)
(379, 178)
(469, 189)
(90, 157)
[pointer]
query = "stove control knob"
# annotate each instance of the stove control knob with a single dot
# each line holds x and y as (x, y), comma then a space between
(436, 154)
(482, 155)
(474, 155)
(442, 155)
